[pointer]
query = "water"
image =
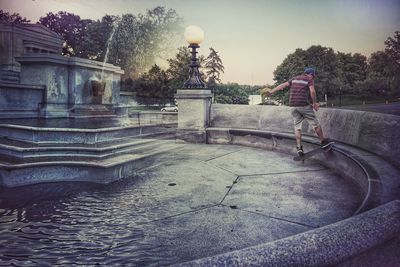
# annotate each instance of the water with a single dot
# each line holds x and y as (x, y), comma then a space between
(82, 223)
(115, 26)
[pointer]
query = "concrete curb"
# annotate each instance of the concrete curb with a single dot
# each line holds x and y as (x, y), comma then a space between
(328, 245)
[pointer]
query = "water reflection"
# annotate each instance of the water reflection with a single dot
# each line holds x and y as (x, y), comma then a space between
(77, 224)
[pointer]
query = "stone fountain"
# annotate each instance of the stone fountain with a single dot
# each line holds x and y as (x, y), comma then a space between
(61, 117)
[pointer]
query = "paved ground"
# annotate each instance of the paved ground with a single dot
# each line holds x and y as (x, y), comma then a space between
(193, 202)
(213, 199)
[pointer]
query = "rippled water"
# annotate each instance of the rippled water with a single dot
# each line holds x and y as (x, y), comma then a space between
(78, 224)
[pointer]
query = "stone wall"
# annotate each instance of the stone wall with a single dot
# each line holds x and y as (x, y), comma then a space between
(374, 132)
(16, 40)
(19, 97)
(69, 82)
(155, 117)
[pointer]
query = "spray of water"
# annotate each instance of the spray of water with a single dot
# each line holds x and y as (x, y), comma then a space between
(115, 26)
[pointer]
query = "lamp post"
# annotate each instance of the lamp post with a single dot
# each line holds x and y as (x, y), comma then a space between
(194, 35)
(194, 99)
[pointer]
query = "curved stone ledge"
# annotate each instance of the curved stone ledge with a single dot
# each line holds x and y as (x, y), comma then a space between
(374, 132)
(329, 245)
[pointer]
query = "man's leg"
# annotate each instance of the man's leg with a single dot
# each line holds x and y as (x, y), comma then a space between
(297, 133)
(318, 131)
(312, 119)
(297, 123)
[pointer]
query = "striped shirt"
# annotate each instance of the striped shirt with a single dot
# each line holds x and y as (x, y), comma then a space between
(299, 90)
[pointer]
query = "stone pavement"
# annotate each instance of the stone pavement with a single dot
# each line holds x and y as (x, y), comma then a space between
(203, 200)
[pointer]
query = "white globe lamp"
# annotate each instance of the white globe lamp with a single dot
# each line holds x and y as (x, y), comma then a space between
(194, 35)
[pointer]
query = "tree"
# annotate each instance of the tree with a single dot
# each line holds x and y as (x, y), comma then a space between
(153, 87)
(351, 69)
(14, 19)
(383, 69)
(292, 65)
(96, 38)
(178, 71)
(323, 59)
(213, 67)
(393, 51)
(393, 47)
(231, 93)
(132, 42)
(166, 27)
(70, 27)
(140, 41)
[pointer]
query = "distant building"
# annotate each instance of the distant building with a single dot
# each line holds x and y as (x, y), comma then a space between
(255, 99)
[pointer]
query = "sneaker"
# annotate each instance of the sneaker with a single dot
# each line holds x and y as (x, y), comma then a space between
(300, 151)
(325, 143)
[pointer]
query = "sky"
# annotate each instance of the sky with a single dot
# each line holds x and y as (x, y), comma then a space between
(252, 37)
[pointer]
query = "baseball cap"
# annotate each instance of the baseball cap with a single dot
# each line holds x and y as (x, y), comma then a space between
(310, 71)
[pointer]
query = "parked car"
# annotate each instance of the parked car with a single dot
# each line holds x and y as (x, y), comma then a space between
(170, 109)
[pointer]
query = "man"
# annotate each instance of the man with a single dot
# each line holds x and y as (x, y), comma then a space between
(302, 108)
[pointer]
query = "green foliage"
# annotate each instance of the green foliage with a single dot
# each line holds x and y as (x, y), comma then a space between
(141, 40)
(372, 86)
(153, 88)
(383, 66)
(137, 41)
(231, 93)
(346, 73)
(14, 19)
(178, 71)
(393, 47)
(213, 67)
(70, 27)
(95, 39)
(323, 59)
(351, 68)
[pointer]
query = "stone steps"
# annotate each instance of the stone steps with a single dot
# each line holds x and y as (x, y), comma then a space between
(28, 152)
(103, 171)
(47, 135)
(104, 162)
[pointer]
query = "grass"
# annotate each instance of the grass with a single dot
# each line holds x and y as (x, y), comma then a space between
(357, 100)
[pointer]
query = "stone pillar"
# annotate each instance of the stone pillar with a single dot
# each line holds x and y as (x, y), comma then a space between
(194, 114)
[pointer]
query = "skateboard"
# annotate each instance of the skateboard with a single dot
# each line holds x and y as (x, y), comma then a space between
(313, 152)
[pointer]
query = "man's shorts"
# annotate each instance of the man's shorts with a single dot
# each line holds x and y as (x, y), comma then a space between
(301, 113)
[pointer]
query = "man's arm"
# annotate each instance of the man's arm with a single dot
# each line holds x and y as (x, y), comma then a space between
(314, 98)
(278, 88)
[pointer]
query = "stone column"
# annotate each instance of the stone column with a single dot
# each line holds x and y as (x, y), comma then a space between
(193, 115)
